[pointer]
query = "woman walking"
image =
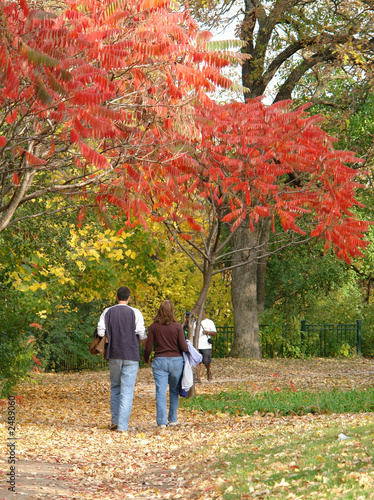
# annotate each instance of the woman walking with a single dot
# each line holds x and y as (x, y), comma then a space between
(166, 336)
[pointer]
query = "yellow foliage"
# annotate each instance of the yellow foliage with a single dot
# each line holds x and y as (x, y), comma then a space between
(42, 314)
(81, 266)
(93, 253)
(96, 262)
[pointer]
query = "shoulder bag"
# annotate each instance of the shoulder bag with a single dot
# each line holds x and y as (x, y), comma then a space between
(99, 345)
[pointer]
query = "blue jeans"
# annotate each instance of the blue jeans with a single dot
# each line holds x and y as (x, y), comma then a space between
(122, 379)
(167, 371)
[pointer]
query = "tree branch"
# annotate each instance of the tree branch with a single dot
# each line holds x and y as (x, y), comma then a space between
(262, 255)
(11, 207)
(286, 89)
(182, 247)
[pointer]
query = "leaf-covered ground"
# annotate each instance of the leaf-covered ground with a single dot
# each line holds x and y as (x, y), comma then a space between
(66, 451)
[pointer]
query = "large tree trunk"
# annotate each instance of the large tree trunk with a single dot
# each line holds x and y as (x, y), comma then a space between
(244, 294)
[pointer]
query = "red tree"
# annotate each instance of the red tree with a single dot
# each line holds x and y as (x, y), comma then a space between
(90, 95)
(274, 162)
(255, 162)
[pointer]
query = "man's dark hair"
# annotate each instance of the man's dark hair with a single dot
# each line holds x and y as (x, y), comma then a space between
(123, 293)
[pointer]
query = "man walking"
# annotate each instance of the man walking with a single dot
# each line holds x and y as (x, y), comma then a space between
(124, 326)
(207, 330)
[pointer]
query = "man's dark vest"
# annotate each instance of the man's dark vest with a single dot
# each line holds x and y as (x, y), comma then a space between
(120, 329)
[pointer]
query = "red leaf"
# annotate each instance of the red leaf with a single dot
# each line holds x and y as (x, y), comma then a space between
(36, 360)
(11, 118)
(34, 160)
(36, 325)
(15, 179)
(19, 400)
(74, 137)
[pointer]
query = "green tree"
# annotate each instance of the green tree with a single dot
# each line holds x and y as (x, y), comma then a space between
(60, 279)
(354, 127)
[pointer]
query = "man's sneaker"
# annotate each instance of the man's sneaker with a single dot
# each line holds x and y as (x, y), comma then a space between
(162, 426)
(172, 424)
(113, 427)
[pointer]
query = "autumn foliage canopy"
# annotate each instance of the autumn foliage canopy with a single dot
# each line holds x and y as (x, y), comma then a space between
(96, 95)
(270, 161)
(107, 103)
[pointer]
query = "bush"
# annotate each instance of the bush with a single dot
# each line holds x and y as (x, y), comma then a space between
(17, 348)
(16, 358)
(280, 338)
(368, 332)
(65, 342)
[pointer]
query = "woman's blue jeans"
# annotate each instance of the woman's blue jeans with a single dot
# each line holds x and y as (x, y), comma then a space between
(167, 371)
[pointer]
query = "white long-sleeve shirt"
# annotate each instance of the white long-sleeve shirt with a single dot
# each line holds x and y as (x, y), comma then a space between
(139, 322)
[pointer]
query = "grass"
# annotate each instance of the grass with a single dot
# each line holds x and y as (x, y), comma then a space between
(301, 465)
(302, 456)
(284, 402)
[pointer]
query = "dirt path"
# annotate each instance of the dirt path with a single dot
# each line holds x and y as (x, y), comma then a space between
(65, 450)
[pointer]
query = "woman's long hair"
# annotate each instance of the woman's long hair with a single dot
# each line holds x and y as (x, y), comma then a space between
(165, 314)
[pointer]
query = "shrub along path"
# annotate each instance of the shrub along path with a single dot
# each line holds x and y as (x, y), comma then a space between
(65, 450)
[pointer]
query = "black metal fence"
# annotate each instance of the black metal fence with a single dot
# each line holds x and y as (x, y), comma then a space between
(325, 340)
(321, 340)
(73, 362)
(223, 341)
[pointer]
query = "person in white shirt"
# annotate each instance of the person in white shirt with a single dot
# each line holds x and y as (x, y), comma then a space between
(207, 330)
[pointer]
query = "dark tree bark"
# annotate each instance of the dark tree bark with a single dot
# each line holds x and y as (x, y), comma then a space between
(244, 294)
(261, 267)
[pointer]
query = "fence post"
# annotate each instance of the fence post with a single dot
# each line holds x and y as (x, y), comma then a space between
(359, 322)
(303, 330)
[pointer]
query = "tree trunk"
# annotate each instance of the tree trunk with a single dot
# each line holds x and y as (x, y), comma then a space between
(7, 215)
(244, 294)
(196, 314)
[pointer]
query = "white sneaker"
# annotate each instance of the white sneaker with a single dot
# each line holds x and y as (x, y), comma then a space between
(162, 426)
(172, 423)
